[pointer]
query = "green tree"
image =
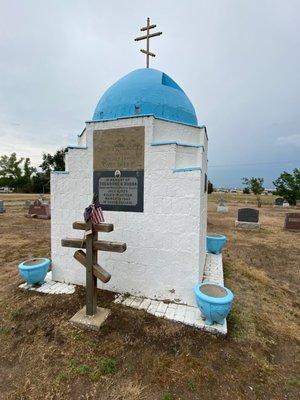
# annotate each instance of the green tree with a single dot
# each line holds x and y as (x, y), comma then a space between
(210, 187)
(288, 186)
(40, 183)
(10, 166)
(255, 185)
(55, 162)
(24, 183)
(16, 173)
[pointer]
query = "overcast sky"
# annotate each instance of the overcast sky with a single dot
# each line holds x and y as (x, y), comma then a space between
(237, 60)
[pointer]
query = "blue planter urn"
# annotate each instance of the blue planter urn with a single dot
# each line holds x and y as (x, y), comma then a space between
(214, 302)
(34, 271)
(215, 243)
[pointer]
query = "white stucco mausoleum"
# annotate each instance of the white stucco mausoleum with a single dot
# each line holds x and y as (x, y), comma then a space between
(145, 134)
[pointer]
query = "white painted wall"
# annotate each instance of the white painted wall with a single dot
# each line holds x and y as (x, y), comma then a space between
(166, 243)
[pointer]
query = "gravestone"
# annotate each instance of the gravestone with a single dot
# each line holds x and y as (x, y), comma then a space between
(39, 210)
(298, 204)
(2, 208)
(248, 219)
(285, 204)
(222, 206)
(279, 201)
(248, 215)
(292, 221)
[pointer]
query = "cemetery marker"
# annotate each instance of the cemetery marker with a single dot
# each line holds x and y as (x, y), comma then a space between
(292, 221)
(133, 154)
(279, 201)
(247, 219)
(92, 316)
(222, 206)
(2, 208)
(39, 210)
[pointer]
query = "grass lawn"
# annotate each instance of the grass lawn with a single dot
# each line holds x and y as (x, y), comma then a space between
(137, 356)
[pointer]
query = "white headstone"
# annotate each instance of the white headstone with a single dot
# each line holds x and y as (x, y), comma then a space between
(222, 206)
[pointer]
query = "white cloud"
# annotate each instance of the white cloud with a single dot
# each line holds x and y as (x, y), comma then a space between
(13, 140)
(292, 140)
(242, 75)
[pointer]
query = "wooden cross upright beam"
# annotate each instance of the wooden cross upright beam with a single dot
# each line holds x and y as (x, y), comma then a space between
(147, 37)
(89, 258)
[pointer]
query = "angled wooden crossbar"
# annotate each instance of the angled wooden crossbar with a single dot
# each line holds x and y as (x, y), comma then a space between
(89, 258)
(98, 271)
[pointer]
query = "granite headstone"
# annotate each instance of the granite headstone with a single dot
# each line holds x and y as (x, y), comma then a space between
(279, 201)
(248, 215)
(39, 210)
(292, 221)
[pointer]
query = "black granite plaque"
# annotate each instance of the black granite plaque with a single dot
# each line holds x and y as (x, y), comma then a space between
(248, 215)
(120, 190)
(279, 201)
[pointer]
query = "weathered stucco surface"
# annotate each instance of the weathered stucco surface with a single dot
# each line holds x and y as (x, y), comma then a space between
(166, 243)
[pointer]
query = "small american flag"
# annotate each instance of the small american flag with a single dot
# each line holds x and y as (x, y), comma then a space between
(94, 213)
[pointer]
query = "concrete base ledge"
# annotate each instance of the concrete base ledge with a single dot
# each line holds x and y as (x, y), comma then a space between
(93, 322)
(247, 225)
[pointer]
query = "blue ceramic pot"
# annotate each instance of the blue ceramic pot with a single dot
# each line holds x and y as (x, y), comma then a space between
(34, 270)
(215, 243)
(214, 302)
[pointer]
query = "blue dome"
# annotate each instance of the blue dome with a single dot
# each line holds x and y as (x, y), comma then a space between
(146, 91)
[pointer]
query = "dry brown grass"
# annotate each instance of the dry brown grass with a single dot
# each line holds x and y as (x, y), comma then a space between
(241, 198)
(12, 197)
(44, 357)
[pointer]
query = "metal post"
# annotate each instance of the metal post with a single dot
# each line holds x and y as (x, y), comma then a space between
(147, 38)
(148, 24)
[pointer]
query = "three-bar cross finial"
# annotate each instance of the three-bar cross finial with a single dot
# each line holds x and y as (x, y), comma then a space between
(147, 37)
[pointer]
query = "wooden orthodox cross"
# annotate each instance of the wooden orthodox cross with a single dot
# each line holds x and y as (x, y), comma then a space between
(93, 270)
(147, 37)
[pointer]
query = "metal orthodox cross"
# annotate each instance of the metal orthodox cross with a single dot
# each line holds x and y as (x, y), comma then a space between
(147, 37)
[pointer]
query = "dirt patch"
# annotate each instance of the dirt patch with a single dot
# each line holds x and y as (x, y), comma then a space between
(138, 356)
